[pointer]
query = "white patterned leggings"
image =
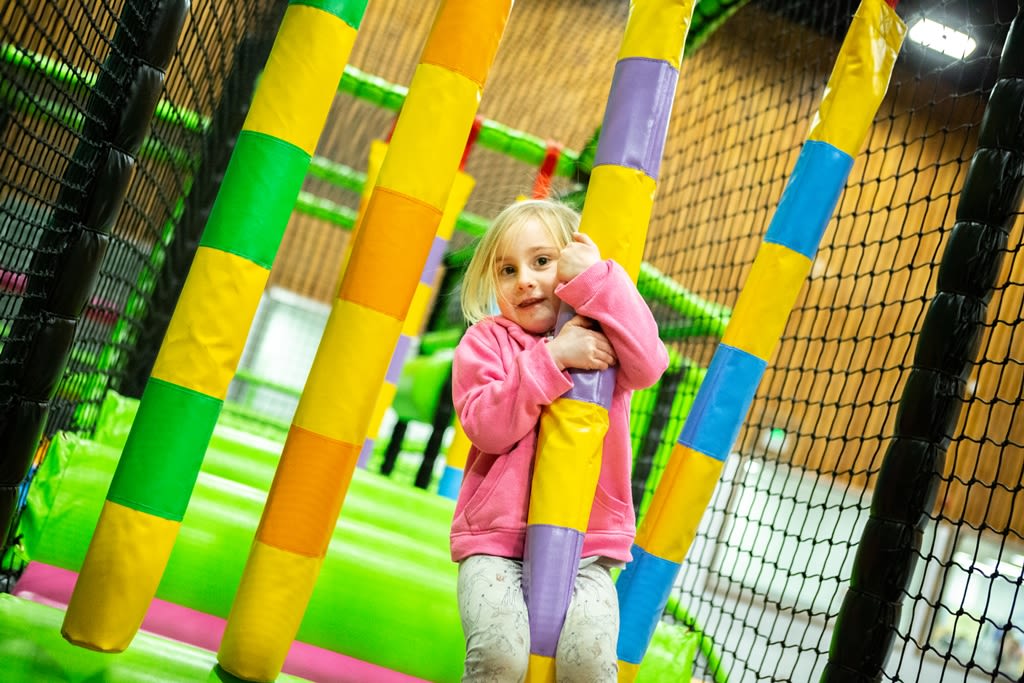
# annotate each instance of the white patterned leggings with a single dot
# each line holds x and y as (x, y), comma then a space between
(497, 632)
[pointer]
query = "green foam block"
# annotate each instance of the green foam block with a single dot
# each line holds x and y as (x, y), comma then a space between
(31, 649)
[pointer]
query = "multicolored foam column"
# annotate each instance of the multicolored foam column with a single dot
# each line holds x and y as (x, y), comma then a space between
(616, 215)
(388, 257)
(853, 94)
(184, 395)
(462, 187)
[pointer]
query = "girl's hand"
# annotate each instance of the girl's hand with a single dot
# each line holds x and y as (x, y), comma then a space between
(577, 256)
(580, 346)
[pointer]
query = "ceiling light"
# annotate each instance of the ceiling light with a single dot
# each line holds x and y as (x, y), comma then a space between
(942, 38)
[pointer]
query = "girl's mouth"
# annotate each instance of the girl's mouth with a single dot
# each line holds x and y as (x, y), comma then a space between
(529, 302)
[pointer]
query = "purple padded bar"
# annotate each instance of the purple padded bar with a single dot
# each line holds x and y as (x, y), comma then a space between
(592, 386)
(550, 563)
(636, 117)
(365, 454)
(588, 386)
(437, 250)
(394, 372)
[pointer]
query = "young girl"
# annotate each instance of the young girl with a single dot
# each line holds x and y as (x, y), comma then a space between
(507, 368)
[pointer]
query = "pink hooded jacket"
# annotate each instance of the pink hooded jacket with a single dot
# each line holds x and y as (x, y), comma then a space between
(503, 377)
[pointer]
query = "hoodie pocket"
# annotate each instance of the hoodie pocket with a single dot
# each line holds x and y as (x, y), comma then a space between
(501, 500)
(608, 512)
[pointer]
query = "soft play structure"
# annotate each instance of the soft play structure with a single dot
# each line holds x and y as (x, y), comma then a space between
(231, 243)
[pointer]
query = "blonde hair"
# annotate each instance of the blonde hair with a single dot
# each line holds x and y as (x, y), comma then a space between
(479, 284)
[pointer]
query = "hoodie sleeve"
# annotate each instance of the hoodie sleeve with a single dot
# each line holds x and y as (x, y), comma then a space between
(500, 389)
(605, 293)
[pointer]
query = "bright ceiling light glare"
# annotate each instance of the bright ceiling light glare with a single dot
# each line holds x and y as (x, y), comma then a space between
(942, 38)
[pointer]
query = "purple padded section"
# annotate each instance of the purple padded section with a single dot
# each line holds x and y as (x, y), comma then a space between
(637, 114)
(550, 563)
(365, 454)
(398, 359)
(592, 386)
(588, 386)
(437, 250)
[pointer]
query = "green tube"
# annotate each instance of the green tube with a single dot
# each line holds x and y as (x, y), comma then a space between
(150, 149)
(701, 317)
(325, 210)
(31, 649)
(61, 73)
(394, 588)
(337, 174)
(514, 143)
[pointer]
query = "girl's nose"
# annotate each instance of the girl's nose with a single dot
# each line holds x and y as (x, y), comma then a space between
(525, 280)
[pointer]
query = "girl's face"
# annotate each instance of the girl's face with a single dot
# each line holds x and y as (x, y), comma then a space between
(526, 269)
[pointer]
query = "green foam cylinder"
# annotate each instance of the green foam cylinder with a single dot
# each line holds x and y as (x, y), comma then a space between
(32, 649)
(161, 485)
(261, 183)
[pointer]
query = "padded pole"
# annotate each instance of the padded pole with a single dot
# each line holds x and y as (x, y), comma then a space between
(392, 246)
(616, 214)
(199, 355)
(932, 401)
(852, 97)
(94, 187)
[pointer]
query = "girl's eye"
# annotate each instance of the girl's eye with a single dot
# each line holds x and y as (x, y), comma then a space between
(508, 270)
(543, 261)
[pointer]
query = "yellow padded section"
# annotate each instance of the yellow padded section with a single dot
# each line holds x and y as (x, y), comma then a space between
(350, 365)
(568, 463)
(627, 672)
(541, 669)
(657, 30)
(458, 450)
(768, 296)
(430, 135)
(670, 524)
(119, 577)
(385, 398)
(268, 608)
(859, 78)
(301, 77)
(207, 332)
(462, 188)
(617, 213)
(417, 312)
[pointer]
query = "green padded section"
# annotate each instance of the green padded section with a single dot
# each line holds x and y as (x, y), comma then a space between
(260, 186)
(164, 450)
(349, 11)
